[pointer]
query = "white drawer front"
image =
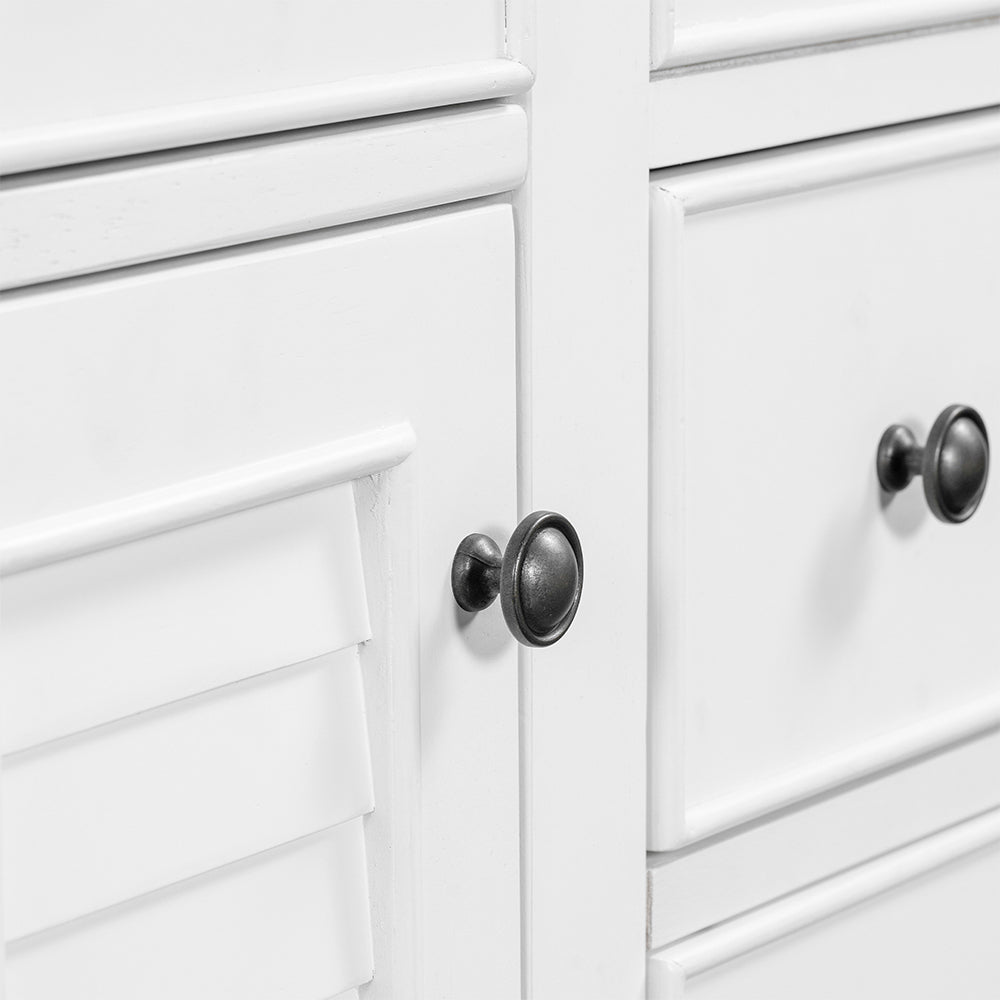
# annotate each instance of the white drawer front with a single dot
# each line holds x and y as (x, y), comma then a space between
(807, 631)
(126, 76)
(920, 923)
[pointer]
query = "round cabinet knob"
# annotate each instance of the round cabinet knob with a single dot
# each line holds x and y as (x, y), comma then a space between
(539, 577)
(954, 462)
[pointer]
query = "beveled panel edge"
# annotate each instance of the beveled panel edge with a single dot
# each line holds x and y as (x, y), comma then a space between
(757, 176)
(739, 870)
(670, 968)
(253, 114)
(259, 188)
(65, 536)
(714, 41)
(760, 104)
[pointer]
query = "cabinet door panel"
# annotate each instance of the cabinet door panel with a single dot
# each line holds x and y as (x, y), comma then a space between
(810, 630)
(227, 464)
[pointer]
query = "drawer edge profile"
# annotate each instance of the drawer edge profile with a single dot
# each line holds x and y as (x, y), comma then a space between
(255, 114)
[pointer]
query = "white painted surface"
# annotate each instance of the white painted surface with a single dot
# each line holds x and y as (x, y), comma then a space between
(136, 805)
(100, 637)
(765, 102)
(705, 884)
(75, 141)
(786, 660)
(283, 925)
(234, 357)
(94, 217)
(697, 31)
(182, 505)
(582, 420)
(71, 66)
(920, 922)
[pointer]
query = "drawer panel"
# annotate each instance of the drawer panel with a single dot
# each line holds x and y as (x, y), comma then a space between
(919, 923)
(291, 923)
(83, 77)
(809, 630)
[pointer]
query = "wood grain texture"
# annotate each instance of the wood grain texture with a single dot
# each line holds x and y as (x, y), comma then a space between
(768, 102)
(287, 924)
(77, 220)
(769, 710)
(130, 807)
(866, 933)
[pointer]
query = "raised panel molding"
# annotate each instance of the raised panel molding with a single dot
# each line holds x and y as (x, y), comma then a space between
(89, 218)
(680, 39)
(759, 102)
(677, 195)
(82, 140)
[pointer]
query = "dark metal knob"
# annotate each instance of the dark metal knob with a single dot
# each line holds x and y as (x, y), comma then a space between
(954, 463)
(539, 577)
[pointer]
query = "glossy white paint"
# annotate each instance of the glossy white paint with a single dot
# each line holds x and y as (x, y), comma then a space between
(785, 661)
(92, 639)
(227, 117)
(766, 101)
(702, 885)
(288, 923)
(252, 355)
(582, 413)
(83, 219)
(123, 58)
(698, 31)
(879, 930)
(133, 806)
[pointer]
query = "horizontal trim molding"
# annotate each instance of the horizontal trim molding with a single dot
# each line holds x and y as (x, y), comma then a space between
(762, 104)
(824, 162)
(698, 887)
(146, 208)
(255, 114)
(104, 526)
(712, 41)
(705, 951)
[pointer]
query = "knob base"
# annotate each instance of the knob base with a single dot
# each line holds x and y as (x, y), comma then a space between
(475, 572)
(898, 458)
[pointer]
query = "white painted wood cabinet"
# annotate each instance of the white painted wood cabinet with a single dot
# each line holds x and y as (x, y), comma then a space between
(294, 297)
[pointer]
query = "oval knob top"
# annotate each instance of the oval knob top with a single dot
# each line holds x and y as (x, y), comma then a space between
(954, 464)
(550, 576)
(957, 460)
(539, 578)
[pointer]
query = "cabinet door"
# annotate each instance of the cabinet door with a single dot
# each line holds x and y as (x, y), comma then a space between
(251, 744)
